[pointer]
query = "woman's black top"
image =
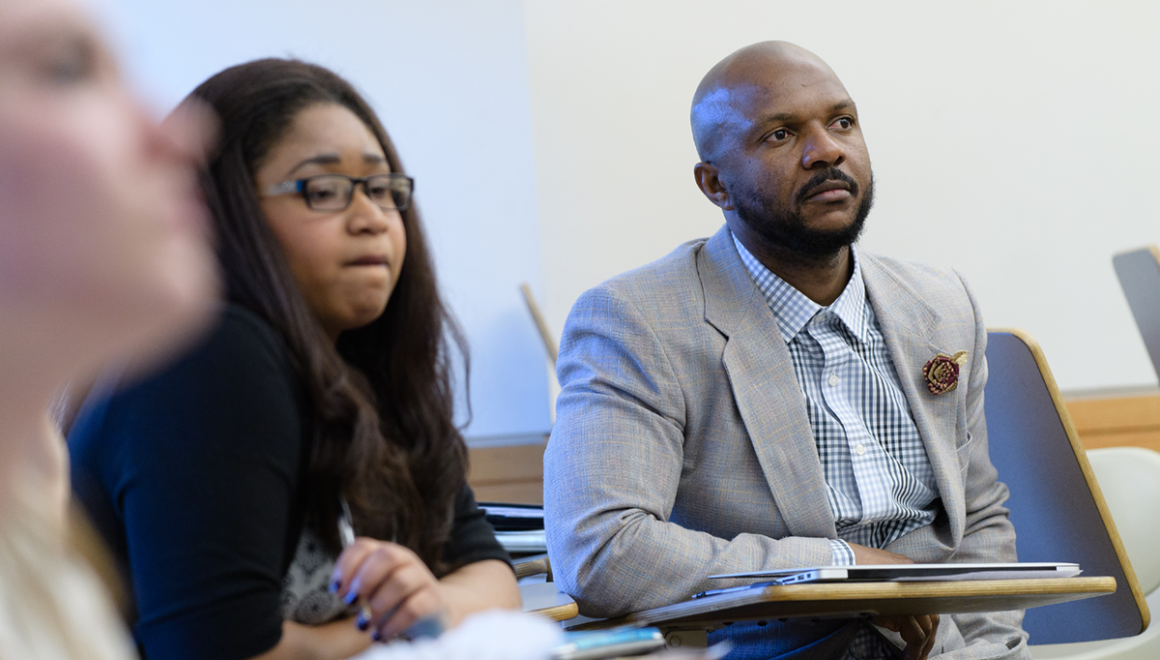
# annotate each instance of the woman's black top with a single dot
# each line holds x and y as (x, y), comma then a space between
(192, 477)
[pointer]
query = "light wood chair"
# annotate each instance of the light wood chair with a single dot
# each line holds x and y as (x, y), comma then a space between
(534, 565)
(1139, 274)
(1130, 480)
(550, 343)
(1056, 504)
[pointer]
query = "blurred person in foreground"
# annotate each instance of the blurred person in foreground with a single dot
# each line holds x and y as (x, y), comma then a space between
(295, 487)
(772, 397)
(103, 255)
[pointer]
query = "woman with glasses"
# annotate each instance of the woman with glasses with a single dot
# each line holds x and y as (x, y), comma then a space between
(104, 254)
(295, 487)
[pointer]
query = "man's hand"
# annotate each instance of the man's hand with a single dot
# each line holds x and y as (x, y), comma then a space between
(864, 555)
(917, 631)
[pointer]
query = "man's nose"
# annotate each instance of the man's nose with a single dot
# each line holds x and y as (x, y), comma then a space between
(821, 150)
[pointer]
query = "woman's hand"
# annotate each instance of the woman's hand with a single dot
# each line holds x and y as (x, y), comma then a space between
(394, 587)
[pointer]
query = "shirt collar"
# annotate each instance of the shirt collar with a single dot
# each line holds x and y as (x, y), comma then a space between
(793, 310)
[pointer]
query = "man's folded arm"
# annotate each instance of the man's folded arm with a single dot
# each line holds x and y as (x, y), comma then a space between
(612, 470)
(988, 535)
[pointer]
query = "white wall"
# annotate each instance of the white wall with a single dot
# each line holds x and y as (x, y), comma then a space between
(1015, 141)
(550, 141)
(449, 80)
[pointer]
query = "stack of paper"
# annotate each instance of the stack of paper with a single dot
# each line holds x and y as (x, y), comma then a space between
(518, 527)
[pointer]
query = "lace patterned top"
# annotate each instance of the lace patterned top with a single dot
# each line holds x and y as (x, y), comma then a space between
(306, 596)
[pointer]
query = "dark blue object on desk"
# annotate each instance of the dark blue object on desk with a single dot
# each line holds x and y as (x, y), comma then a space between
(505, 517)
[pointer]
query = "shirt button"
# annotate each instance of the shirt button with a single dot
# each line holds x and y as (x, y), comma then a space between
(859, 449)
(833, 380)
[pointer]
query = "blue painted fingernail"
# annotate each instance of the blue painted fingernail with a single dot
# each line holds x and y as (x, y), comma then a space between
(362, 622)
(334, 585)
(376, 637)
(352, 595)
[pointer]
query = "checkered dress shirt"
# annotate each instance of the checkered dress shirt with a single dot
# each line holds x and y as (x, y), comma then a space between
(878, 477)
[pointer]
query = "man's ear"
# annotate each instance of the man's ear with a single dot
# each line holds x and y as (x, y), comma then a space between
(711, 185)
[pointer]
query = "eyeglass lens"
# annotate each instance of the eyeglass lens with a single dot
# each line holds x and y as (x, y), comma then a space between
(333, 192)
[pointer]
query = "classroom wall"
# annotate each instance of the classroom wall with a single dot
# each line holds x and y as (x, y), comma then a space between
(1013, 141)
(449, 80)
(550, 141)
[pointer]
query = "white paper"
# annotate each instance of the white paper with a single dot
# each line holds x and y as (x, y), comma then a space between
(491, 635)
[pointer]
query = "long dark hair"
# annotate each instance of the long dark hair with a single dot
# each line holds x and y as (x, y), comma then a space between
(380, 402)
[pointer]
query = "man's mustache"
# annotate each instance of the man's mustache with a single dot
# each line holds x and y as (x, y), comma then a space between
(829, 174)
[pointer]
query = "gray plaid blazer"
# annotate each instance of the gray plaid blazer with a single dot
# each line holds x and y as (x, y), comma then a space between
(682, 447)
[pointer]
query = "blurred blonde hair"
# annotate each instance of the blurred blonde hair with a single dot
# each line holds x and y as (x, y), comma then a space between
(52, 604)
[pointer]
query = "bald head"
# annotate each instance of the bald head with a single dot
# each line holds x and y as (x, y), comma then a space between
(719, 105)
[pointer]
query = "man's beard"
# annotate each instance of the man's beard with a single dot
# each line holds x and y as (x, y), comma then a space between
(785, 230)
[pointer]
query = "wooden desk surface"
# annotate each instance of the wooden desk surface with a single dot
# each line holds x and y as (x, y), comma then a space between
(855, 599)
(544, 599)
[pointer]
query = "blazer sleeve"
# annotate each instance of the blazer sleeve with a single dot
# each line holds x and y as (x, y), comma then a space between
(613, 466)
(988, 535)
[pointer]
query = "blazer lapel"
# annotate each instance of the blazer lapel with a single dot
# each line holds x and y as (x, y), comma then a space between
(909, 326)
(768, 397)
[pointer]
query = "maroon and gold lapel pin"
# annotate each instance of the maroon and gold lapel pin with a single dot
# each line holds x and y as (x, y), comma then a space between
(942, 372)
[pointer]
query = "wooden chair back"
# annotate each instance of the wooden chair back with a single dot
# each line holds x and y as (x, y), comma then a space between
(1139, 274)
(1056, 505)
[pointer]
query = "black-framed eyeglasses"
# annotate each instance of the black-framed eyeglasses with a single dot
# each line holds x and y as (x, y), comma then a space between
(333, 192)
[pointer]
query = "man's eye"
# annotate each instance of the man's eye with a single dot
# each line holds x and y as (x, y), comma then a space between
(779, 135)
(844, 122)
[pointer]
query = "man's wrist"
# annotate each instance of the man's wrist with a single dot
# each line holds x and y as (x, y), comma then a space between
(843, 553)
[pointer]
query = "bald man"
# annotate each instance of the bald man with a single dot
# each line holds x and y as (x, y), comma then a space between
(772, 397)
